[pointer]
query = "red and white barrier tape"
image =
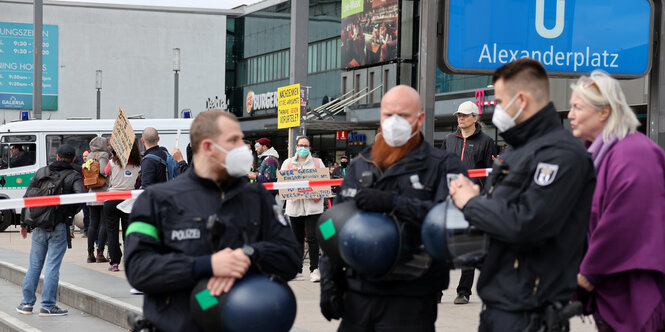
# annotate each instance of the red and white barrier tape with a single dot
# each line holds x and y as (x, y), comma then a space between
(27, 202)
(67, 199)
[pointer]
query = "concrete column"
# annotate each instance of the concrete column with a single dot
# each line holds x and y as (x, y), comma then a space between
(656, 106)
(298, 55)
(429, 10)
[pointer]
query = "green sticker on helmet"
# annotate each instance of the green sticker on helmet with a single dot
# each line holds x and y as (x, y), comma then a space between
(206, 301)
(327, 229)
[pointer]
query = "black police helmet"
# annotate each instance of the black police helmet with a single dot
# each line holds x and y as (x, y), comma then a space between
(369, 243)
(448, 237)
(329, 225)
(254, 303)
(433, 233)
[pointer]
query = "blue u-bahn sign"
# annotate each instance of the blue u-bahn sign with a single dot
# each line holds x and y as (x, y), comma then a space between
(569, 37)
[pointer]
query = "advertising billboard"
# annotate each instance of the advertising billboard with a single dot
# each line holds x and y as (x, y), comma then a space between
(16, 66)
(370, 31)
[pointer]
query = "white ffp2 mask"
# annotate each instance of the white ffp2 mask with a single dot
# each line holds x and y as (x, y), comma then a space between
(501, 119)
(396, 130)
(238, 160)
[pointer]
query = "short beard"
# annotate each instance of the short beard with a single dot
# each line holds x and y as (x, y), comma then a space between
(385, 155)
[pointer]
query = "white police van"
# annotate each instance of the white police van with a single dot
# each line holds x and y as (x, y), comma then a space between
(26, 146)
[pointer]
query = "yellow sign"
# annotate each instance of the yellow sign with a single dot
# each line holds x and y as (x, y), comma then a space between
(288, 106)
(123, 137)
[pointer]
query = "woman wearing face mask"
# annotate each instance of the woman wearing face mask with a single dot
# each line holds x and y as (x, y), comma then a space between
(304, 213)
(623, 270)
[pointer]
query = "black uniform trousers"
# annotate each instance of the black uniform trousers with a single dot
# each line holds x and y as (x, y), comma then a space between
(495, 320)
(371, 313)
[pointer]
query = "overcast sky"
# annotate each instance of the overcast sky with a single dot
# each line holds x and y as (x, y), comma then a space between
(216, 4)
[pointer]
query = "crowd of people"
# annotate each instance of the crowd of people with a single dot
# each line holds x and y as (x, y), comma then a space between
(567, 221)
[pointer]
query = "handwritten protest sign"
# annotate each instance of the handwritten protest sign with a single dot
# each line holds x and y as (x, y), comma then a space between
(288, 106)
(309, 174)
(123, 137)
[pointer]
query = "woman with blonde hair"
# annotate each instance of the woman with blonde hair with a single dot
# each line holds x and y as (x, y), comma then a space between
(622, 274)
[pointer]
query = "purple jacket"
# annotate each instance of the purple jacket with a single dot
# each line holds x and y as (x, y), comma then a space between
(626, 256)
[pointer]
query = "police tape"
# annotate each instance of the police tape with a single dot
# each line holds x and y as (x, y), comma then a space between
(28, 202)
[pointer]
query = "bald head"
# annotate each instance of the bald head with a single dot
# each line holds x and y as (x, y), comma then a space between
(150, 137)
(404, 101)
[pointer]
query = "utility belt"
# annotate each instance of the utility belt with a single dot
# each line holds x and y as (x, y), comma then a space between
(553, 318)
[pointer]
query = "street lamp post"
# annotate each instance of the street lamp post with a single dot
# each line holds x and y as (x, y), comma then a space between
(176, 70)
(98, 86)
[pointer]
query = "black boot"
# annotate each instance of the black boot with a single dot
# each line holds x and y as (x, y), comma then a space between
(91, 257)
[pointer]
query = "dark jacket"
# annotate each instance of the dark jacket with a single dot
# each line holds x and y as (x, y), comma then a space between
(168, 248)
(153, 171)
(429, 167)
(73, 184)
(338, 173)
(536, 213)
(475, 151)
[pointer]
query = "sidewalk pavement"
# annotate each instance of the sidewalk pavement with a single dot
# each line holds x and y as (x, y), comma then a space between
(96, 279)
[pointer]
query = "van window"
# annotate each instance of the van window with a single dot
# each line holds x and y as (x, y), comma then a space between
(79, 142)
(18, 151)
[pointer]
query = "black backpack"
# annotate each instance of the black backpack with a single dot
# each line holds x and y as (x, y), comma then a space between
(51, 183)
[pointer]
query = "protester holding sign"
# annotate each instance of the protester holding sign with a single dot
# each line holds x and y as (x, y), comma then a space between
(304, 213)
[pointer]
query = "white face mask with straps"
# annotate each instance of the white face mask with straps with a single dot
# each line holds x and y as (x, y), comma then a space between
(396, 130)
(238, 160)
(501, 119)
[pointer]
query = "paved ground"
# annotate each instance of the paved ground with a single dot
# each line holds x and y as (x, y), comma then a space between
(75, 270)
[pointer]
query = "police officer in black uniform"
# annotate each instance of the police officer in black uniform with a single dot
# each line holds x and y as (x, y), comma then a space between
(408, 177)
(536, 209)
(168, 245)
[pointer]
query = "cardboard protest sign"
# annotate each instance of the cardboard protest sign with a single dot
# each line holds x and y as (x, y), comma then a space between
(310, 174)
(123, 137)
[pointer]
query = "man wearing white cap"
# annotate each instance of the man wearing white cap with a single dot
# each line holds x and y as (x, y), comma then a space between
(475, 149)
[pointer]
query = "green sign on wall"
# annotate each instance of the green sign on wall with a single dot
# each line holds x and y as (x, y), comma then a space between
(350, 7)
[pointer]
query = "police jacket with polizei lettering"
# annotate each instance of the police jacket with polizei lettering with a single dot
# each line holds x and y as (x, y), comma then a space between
(536, 212)
(168, 248)
(419, 181)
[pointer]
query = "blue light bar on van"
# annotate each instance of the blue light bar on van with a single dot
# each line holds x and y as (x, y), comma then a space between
(25, 115)
(186, 114)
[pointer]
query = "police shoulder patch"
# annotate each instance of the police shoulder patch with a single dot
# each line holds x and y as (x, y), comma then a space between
(545, 174)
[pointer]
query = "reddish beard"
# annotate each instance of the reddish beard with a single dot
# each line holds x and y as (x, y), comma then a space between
(385, 155)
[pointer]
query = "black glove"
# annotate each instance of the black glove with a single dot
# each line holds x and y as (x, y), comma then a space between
(374, 200)
(332, 300)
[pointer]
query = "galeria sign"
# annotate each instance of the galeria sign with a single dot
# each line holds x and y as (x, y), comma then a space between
(569, 37)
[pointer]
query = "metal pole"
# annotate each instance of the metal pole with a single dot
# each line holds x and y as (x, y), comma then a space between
(37, 29)
(98, 86)
(175, 93)
(99, 104)
(656, 113)
(429, 11)
(298, 50)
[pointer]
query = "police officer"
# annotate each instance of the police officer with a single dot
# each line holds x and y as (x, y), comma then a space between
(168, 247)
(408, 177)
(536, 209)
